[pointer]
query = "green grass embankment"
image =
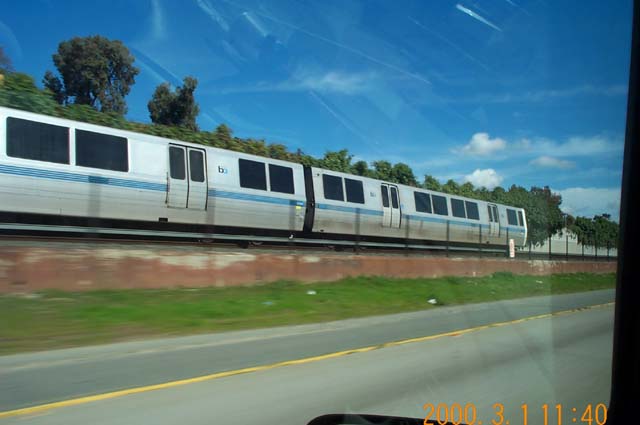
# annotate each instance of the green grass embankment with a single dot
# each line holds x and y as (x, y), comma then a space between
(55, 319)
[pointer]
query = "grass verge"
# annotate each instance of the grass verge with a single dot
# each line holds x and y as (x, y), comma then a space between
(55, 319)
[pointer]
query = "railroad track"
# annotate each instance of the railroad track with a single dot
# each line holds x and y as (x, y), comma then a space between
(167, 239)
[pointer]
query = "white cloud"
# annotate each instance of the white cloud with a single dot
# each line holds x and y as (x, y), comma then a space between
(305, 81)
(484, 178)
(573, 146)
(482, 145)
(587, 146)
(336, 82)
(551, 162)
(589, 201)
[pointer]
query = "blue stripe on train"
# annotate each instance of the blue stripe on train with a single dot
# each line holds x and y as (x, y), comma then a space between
(351, 210)
(255, 198)
(458, 222)
(443, 220)
(80, 178)
(136, 184)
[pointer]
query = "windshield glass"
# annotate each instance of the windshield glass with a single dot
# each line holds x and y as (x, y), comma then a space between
(250, 211)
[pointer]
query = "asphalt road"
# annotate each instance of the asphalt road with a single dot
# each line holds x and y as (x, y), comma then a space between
(560, 359)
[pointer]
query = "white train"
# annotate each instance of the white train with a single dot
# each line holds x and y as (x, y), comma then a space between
(62, 174)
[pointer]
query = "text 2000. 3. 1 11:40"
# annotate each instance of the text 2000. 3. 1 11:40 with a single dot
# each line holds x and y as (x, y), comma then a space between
(456, 413)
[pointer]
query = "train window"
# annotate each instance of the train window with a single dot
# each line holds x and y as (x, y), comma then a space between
(511, 217)
(520, 219)
(490, 211)
(472, 210)
(457, 208)
(385, 196)
(423, 202)
(252, 174)
(355, 191)
(439, 205)
(104, 151)
(281, 179)
(176, 163)
(38, 141)
(196, 166)
(332, 187)
(394, 197)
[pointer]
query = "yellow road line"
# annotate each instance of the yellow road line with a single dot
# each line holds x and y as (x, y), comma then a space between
(114, 394)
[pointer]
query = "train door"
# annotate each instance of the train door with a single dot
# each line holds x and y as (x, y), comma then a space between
(197, 199)
(178, 187)
(386, 206)
(187, 186)
(390, 206)
(494, 220)
(395, 207)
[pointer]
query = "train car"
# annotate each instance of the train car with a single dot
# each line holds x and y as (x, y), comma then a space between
(59, 172)
(354, 205)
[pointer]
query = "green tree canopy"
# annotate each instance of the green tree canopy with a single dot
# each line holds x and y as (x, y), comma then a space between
(383, 170)
(403, 174)
(223, 138)
(467, 190)
(337, 161)
(599, 230)
(431, 183)
(19, 91)
(177, 108)
(451, 187)
(278, 151)
(94, 71)
(361, 168)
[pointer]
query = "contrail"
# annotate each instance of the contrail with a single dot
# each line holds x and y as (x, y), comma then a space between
(474, 15)
(450, 43)
(342, 121)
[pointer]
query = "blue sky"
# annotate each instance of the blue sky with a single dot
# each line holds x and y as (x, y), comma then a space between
(495, 92)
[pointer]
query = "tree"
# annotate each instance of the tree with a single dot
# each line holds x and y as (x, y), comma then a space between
(223, 138)
(383, 170)
(451, 187)
(467, 189)
(304, 159)
(256, 147)
(431, 183)
(403, 174)
(337, 161)
(361, 168)
(278, 151)
(5, 62)
(54, 86)
(542, 207)
(18, 90)
(94, 71)
(599, 230)
(178, 108)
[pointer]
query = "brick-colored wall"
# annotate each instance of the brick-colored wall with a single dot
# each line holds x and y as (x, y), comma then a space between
(35, 265)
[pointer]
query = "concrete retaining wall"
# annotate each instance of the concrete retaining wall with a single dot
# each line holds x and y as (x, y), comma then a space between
(36, 265)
